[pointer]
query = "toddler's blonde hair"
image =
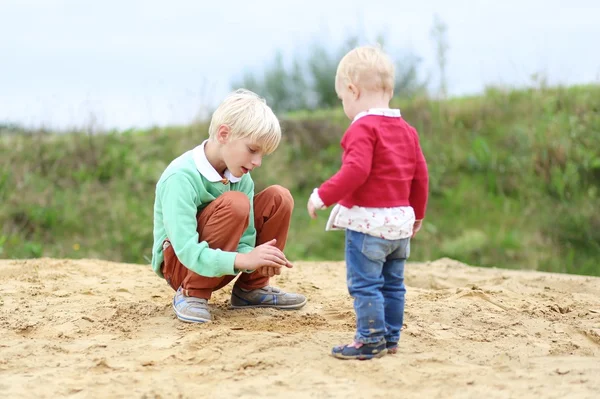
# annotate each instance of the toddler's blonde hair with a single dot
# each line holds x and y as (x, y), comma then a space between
(368, 68)
(247, 115)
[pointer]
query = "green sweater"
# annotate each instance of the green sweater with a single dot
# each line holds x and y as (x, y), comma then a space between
(181, 192)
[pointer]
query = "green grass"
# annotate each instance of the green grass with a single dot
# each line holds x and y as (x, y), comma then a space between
(515, 179)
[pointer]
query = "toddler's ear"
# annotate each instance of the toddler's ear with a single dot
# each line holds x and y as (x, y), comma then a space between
(354, 90)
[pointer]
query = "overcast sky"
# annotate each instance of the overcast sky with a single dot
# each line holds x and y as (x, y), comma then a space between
(139, 63)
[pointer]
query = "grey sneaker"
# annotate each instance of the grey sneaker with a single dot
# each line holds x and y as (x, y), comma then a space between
(267, 297)
(190, 309)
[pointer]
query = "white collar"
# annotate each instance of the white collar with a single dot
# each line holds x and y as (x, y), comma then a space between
(393, 113)
(207, 170)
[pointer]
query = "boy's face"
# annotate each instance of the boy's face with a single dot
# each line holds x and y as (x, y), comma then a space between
(241, 155)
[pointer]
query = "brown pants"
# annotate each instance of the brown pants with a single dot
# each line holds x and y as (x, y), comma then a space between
(221, 224)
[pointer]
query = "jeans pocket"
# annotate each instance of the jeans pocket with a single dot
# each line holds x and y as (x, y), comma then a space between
(375, 248)
(402, 249)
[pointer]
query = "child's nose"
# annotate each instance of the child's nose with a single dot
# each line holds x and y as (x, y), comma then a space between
(257, 161)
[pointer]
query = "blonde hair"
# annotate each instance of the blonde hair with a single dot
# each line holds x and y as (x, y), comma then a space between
(247, 115)
(368, 68)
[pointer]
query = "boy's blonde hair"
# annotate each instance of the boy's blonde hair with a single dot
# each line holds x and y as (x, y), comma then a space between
(247, 115)
(368, 68)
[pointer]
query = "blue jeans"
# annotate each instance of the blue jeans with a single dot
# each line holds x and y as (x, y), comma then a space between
(375, 273)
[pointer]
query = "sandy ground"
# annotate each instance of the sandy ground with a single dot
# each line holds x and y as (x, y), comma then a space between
(90, 328)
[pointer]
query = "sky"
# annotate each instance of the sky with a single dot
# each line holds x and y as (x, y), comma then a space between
(129, 63)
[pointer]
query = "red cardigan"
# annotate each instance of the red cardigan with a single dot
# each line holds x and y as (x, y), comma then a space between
(382, 167)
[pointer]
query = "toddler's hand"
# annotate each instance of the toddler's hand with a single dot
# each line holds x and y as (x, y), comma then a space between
(314, 202)
(311, 209)
(417, 227)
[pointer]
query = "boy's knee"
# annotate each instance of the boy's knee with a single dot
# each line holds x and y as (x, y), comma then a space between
(237, 203)
(283, 197)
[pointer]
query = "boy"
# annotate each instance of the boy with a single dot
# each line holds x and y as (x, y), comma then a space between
(208, 224)
(381, 194)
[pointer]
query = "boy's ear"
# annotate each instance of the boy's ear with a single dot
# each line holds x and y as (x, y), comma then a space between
(223, 134)
(354, 90)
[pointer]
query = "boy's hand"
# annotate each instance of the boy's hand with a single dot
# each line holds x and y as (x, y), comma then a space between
(417, 227)
(311, 209)
(272, 271)
(269, 271)
(265, 255)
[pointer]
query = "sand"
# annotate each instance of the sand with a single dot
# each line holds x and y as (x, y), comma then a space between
(90, 328)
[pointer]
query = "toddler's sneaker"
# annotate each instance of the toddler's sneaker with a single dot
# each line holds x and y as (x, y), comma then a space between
(392, 347)
(359, 351)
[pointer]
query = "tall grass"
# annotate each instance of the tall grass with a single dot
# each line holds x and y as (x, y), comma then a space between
(515, 179)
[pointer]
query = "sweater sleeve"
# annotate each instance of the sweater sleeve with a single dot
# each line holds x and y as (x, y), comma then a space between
(420, 184)
(178, 197)
(358, 145)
